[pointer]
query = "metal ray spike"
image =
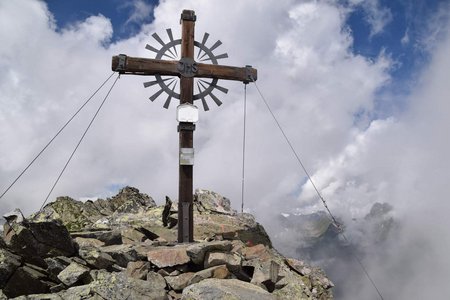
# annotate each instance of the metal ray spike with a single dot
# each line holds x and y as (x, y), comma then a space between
(205, 105)
(167, 103)
(220, 88)
(152, 83)
(156, 95)
(205, 38)
(216, 44)
(218, 102)
(225, 55)
(159, 40)
(169, 33)
(148, 47)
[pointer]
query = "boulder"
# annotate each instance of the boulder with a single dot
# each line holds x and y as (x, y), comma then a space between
(258, 251)
(179, 282)
(73, 273)
(96, 259)
(115, 286)
(39, 239)
(218, 272)
(233, 261)
(157, 280)
(87, 242)
(198, 251)
(108, 237)
(229, 289)
(168, 256)
(34, 278)
(211, 202)
(55, 265)
(8, 264)
(266, 275)
(122, 254)
(138, 269)
(132, 236)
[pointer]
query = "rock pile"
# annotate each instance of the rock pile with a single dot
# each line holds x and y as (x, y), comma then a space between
(125, 248)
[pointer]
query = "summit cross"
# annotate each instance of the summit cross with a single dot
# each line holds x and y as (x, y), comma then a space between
(186, 68)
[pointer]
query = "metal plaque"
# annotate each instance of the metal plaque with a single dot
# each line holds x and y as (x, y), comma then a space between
(186, 156)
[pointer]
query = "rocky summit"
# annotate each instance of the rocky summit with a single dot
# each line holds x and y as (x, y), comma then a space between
(125, 247)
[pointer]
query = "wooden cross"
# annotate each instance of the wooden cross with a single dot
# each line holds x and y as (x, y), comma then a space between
(186, 68)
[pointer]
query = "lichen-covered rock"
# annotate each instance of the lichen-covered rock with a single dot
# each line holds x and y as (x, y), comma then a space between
(211, 202)
(198, 251)
(122, 254)
(228, 289)
(41, 239)
(73, 273)
(157, 280)
(8, 264)
(115, 286)
(96, 259)
(87, 242)
(27, 280)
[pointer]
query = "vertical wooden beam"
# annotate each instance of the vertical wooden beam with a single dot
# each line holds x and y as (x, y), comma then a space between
(185, 192)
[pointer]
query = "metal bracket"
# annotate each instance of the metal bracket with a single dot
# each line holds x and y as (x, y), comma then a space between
(187, 67)
(248, 74)
(186, 126)
(122, 62)
(185, 207)
(188, 15)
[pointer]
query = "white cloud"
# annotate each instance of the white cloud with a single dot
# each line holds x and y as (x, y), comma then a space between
(308, 73)
(140, 11)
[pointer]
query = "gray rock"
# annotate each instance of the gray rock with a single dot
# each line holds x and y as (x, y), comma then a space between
(163, 257)
(87, 242)
(218, 272)
(114, 286)
(157, 280)
(96, 258)
(229, 289)
(208, 201)
(266, 275)
(179, 282)
(198, 251)
(122, 254)
(41, 239)
(55, 265)
(109, 237)
(8, 264)
(35, 280)
(73, 273)
(233, 261)
(138, 269)
(132, 236)
(3, 296)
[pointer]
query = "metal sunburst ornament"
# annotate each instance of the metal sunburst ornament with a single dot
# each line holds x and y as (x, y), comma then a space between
(168, 84)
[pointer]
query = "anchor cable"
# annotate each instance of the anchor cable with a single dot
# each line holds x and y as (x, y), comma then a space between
(54, 137)
(355, 256)
(243, 147)
(79, 142)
